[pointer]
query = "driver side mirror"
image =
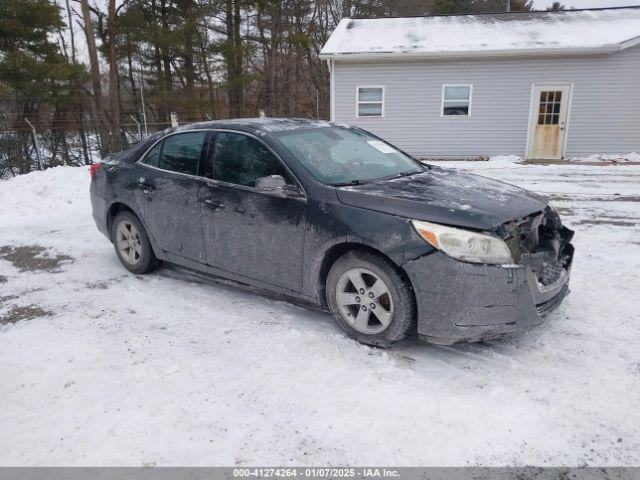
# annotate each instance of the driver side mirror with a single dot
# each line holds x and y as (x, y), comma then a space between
(277, 185)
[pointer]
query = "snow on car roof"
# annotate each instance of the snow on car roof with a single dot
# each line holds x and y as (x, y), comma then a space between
(266, 124)
(534, 32)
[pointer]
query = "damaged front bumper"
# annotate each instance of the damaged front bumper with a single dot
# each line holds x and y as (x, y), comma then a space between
(460, 301)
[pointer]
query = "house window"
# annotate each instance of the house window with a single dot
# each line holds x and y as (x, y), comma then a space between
(550, 104)
(370, 102)
(456, 100)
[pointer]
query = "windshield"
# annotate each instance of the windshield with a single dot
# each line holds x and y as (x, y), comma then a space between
(342, 156)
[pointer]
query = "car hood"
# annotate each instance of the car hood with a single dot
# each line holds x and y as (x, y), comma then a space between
(446, 196)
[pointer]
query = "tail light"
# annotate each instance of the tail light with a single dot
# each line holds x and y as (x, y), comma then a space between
(93, 169)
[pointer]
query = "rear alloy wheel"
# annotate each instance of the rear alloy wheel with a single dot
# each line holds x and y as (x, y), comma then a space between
(128, 242)
(369, 299)
(132, 244)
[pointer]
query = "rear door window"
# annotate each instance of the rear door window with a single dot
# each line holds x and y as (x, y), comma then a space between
(181, 152)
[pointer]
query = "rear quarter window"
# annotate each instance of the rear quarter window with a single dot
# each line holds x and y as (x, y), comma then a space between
(152, 157)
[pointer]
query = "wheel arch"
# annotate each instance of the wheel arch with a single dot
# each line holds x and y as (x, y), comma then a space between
(120, 206)
(114, 209)
(336, 251)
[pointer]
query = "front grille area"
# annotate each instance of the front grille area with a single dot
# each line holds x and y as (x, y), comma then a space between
(541, 242)
(522, 236)
(550, 273)
(552, 303)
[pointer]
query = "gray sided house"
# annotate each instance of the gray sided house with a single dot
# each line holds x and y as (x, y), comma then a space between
(543, 85)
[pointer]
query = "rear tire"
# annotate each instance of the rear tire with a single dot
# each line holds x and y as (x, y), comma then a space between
(132, 244)
(370, 299)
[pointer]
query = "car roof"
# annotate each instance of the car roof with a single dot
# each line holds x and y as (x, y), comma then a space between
(256, 125)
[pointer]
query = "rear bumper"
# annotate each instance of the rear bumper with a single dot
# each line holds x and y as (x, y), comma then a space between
(99, 207)
(459, 301)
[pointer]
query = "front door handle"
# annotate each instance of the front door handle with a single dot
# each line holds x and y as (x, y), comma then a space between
(215, 205)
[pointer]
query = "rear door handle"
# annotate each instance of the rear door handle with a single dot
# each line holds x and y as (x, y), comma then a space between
(145, 187)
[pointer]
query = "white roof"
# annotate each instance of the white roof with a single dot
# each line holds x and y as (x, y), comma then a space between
(579, 31)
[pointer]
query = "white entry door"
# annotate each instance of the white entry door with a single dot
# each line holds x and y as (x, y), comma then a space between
(548, 121)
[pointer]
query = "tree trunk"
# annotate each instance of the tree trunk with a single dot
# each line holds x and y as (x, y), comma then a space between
(166, 60)
(190, 28)
(233, 55)
(114, 91)
(97, 109)
(239, 55)
(132, 81)
(71, 33)
(276, 12)
(207, 73)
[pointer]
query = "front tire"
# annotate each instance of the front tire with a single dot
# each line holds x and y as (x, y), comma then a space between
(132, 244)
(370, 299)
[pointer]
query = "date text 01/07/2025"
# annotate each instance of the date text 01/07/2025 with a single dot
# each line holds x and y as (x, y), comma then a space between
(315, 473)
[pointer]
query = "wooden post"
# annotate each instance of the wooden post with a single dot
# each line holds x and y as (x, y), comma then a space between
(35, 144)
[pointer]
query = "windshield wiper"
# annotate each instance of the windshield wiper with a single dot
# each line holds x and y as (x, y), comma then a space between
(351, 182)
(408, 173)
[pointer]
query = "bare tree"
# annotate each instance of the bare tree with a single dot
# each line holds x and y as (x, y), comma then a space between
(114, 93)
(97, 109)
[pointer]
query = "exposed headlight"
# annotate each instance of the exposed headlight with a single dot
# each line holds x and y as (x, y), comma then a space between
(463, 244)
(554, 211)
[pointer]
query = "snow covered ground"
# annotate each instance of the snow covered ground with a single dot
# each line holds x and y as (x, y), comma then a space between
(102, 367)
(630, 157)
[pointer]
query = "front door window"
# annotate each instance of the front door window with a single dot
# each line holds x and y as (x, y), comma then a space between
(241, 160)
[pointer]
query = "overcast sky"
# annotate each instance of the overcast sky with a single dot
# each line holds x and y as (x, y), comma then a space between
(587, 3)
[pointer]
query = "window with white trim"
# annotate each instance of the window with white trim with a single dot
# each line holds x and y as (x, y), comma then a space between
(456, 100)
(370, 102)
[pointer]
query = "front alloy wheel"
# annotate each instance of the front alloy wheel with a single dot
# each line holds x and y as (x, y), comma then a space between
(370, 298)
(364, 301)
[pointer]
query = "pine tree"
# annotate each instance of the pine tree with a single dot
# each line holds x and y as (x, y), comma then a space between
(556, 6)
(35, 77)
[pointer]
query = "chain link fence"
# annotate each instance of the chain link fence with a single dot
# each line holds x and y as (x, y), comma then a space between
(25, 147)
(134, 132)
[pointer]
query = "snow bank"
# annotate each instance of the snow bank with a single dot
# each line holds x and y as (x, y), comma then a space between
(471, 33)
(630, 157)
(55, 191)
(491, 163)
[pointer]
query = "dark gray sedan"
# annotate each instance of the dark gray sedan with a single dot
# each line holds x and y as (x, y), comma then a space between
(335, 216)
